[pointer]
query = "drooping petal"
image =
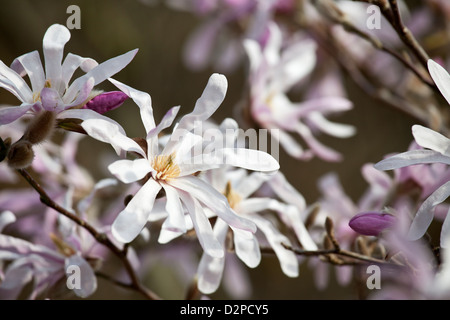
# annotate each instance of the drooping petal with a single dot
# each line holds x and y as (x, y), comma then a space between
(108, 131)
(247, 248)
(129, 223)
(202, 226)
(318, 148)
(71, 63)
(441, 78)
(53, 44)
(425, 214)
(410, 158)
(286, 191)
(11, 114)
(32, 66)
(129, 171)
(338, 130)
(88, 280)
(430, 139)
(213, 199)
(175, 220)
(251, 183)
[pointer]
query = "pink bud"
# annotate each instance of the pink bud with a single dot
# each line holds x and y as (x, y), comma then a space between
(371, 223)
(107, 101)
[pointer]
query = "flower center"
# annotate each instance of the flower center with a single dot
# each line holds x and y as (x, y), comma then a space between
(37, 95)
(165, 167)
(62, 246)
(232, 197)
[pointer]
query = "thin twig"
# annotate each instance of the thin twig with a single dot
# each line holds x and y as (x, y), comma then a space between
(100, 237)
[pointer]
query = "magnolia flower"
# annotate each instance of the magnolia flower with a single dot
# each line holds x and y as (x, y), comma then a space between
(172, 168)
(437, 151)
(441, 78)
(44, 266)
(50, 89)
(273, 72)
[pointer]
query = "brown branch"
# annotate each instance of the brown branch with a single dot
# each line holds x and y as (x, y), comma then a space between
(98, 236)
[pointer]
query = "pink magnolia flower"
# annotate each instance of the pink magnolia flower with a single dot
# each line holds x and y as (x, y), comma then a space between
(50, 89)
(274, 70)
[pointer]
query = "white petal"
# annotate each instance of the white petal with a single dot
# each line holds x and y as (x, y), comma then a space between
(288, 260)
(441, 78)
(108, 131)
(129, 171)
(213, 199)
(286, 191)
(410, 158)
(317, 147)
(207, 104)
(133, 218)
(175, 221)
(31, 63)
(445, 232)
(331, 128)
(165, 123)
(202, 226)
(248, 159)
(251, 183)
(425, 214)
(430, 139)
(247, 248)
(14, 83)
(54, 41)
(6, 217)
(71, 63)
(88, 280)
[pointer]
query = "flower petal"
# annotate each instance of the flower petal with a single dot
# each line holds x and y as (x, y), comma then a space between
(32, 66)
(129, 171)
(133, 218)
(248, 159)
(251, 183)
(53, 44)
(14, 83)
(430, 139)
(338, 130)
(441, 78)
(410, 158)
(175, 221)
(51, 100)
(247, 248)
(6, 217)
(71, 63)
(11, 114)
(88, 280)
(425, 214)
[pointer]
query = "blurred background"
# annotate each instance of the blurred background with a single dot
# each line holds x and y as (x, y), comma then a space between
(112, 27)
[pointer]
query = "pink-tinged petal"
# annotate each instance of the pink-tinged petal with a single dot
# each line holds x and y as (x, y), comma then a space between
(247, 248)
(318, 148)
(441, 78)
(376, 177)
(430, 139)
(107, 101)
(13, 248)
(213, 199)
(16, 277)
(53, 44)
(129, 223)
(72, 62)
(291, 146)
(425, 214)
(175, 220)
(445, 232)
(202, 226)
(324, 105)
(10, 114)
(292, 217)
(410, 158)
(31, 64)
(286, 191)
(143, 101)
(207, 104)
(6, 217)
(101, 72)
(339, 130)
(51, 100)
(14, 83)
(82, 96)
(88, 280)
(251, 184)
(166, 122)
(288, 260)
(371, 223)
(109, 131)
(129, 171)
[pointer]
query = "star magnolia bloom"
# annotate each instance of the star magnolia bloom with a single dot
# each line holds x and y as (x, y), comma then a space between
(437, 151)
(273, 72)
(50, 89)
(45, 266)
(441, 78)
(173, 168)
(238, 187)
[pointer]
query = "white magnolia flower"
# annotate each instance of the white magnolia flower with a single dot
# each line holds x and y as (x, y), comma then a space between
(441, 78)
(437, 150)
(173, 168)
(50, 89)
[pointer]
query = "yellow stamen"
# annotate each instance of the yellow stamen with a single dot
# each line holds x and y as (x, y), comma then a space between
(62, 246)
(232, 197)
(165, 167)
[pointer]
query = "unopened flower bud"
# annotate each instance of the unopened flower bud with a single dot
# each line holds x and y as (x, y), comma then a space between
(371, 223)
(41, 127)
(20, 155)
(106, 101)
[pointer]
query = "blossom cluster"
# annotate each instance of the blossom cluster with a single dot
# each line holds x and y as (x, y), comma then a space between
(206, 197)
